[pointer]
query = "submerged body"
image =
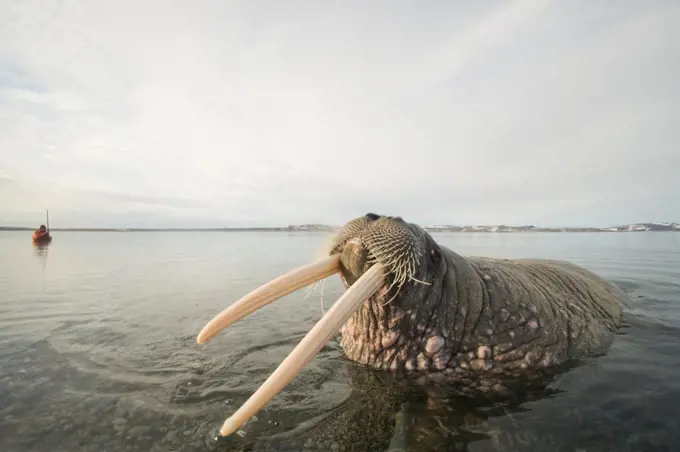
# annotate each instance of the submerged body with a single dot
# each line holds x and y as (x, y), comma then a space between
(481, 315)
(415, 306)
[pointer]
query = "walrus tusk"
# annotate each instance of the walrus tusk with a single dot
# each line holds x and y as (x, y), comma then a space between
(273, 290)
(308, 347)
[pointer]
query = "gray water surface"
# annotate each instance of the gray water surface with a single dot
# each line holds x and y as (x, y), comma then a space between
(98, 351)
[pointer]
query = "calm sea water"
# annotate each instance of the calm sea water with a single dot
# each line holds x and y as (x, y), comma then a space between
(98, 352)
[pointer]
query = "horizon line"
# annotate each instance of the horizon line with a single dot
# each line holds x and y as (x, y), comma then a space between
(317, 227)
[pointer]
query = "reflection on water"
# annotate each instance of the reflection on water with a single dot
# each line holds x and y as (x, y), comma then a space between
(98, 353)
(41, 248)
(382, 413)
(41, 252)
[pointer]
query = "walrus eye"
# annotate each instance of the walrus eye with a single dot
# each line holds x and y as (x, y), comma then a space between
(434, 255)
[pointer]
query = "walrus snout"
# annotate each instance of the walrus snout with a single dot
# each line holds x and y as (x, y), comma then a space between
(389, 240)
(354, 261)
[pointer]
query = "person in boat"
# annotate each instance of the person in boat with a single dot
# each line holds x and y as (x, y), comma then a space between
(40, 232)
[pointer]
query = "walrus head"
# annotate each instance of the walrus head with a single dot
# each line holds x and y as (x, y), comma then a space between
(385, 264)
(399, 247)
(394, 329)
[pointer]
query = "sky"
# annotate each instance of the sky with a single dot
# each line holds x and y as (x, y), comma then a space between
(213, 113)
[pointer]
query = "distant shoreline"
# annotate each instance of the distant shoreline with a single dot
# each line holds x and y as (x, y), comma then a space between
(282, 229)
(636, 227)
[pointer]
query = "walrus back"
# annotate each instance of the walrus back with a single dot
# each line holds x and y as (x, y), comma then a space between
(568, 300)
(564, 283)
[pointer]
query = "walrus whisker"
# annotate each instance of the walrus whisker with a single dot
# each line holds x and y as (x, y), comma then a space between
(388, 291)
(395, 294)
(419, 281)
(372, 260)
(390, 300)
(391, 249)
(323, 285)
(311, 291)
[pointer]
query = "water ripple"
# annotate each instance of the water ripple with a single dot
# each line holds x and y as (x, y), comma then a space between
(97, 341)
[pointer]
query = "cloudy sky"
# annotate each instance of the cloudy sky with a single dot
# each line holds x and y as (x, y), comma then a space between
(213, 113)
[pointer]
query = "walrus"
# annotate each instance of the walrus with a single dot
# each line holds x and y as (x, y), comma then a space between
(416, 307)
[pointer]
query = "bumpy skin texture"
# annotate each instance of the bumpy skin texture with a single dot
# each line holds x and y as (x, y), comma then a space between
(473, 319)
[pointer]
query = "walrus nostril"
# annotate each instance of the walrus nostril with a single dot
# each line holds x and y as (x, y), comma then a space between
(372, 216)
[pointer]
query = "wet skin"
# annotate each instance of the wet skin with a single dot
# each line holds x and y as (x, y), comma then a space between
(480, 318)
(416, 307)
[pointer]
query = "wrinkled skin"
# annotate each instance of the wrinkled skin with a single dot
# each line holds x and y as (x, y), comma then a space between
(480, 321)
